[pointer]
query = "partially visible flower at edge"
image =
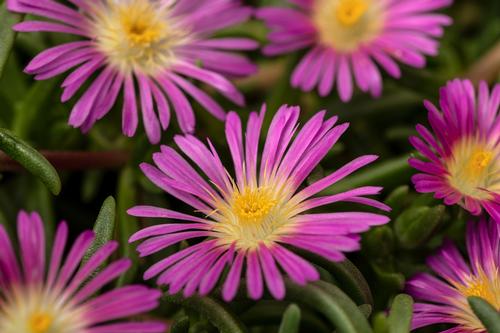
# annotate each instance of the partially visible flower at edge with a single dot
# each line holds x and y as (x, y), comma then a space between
(249, 222)
(443, 300)
(146, 49)
(347, 39)
(58, 296)
(462, 152)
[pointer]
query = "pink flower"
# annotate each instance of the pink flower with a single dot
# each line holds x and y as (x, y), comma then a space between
(249, 222)
(347, 38)
(148, 50)
(443, 299)
(59, 296)
(462, 156)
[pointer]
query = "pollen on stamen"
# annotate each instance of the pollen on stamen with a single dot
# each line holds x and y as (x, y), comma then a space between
(137, 36)
(253, 204)
(41, 322)
(350, 11)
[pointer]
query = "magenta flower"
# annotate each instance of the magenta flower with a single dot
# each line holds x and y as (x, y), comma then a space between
(249, 221)
(147, 49)
(59, 296)
(463, 154)
(349, 38)
(444, 299)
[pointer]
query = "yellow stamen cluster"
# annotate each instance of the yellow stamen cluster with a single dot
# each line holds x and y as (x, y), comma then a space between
(250, 216)
(486, 286)
(349, 12)
(253, 205)
(473, 168)
(136, 35)
(40, 322)
(346, 24)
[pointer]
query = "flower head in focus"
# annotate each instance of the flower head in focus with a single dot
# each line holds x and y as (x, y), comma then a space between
(59, 296)
(443, 300)
(149, 50)
(463, 152)
(352, 38)
(249, 222)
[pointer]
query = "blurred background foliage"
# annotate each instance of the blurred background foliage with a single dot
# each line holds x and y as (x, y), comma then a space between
(103, 163)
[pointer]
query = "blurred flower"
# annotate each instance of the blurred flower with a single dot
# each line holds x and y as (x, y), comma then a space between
(447, 297)
(147, 49)
(62, 298)
(349, 37)
(463, 153)
(251, 220)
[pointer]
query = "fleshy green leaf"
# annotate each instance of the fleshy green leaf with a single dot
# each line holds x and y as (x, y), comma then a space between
(211, 309)
(326, 298)
(31, 159)
(415, 225)
(291, 320)
(103, 227)
(127, 224)
(181, 325)
(488, 315)
(7, 35)
(401, 314)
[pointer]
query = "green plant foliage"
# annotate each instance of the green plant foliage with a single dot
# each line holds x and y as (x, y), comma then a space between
(488, 315)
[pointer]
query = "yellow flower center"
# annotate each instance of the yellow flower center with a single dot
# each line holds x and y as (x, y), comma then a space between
(253, 215)
(473, 168)
(347, 24)
(350, 11)
(40, 322)
(253, 205)
(481, 285)
(136, 35)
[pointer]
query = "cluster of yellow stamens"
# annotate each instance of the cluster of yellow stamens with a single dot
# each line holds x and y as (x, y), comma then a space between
(40, 322)
(346, 24)
(486, 286)
(473, 168)
(252, 215)
(136, 35)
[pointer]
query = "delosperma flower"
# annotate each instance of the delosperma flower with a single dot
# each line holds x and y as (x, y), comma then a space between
(463, 153)
(352, 38)
(59, 296)
(248, 221)
(149, 50)
(443, 299)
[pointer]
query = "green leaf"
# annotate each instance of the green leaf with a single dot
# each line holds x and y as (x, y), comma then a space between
(326, 298)
(7, 35)
(31, 159)
(346, 274)
(488, 315)
(127, 225)
(291, 320)
(390, 173)
(380, 324)
(211, 309)
(103, 227)
(181, 325)
(416, 224)
(401, 314)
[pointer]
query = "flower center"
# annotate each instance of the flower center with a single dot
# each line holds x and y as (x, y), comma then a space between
(136, 35)
(482, 285)
(251, 216)
(345, 25)
(253, 205)
(473, 169)
(350, 11)
(40, 322)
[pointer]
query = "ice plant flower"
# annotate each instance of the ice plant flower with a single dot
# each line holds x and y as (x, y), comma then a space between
(147, 49)
(249, 220)
(349, 38)
(462, 156)
(59, 296)
(443, 300)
